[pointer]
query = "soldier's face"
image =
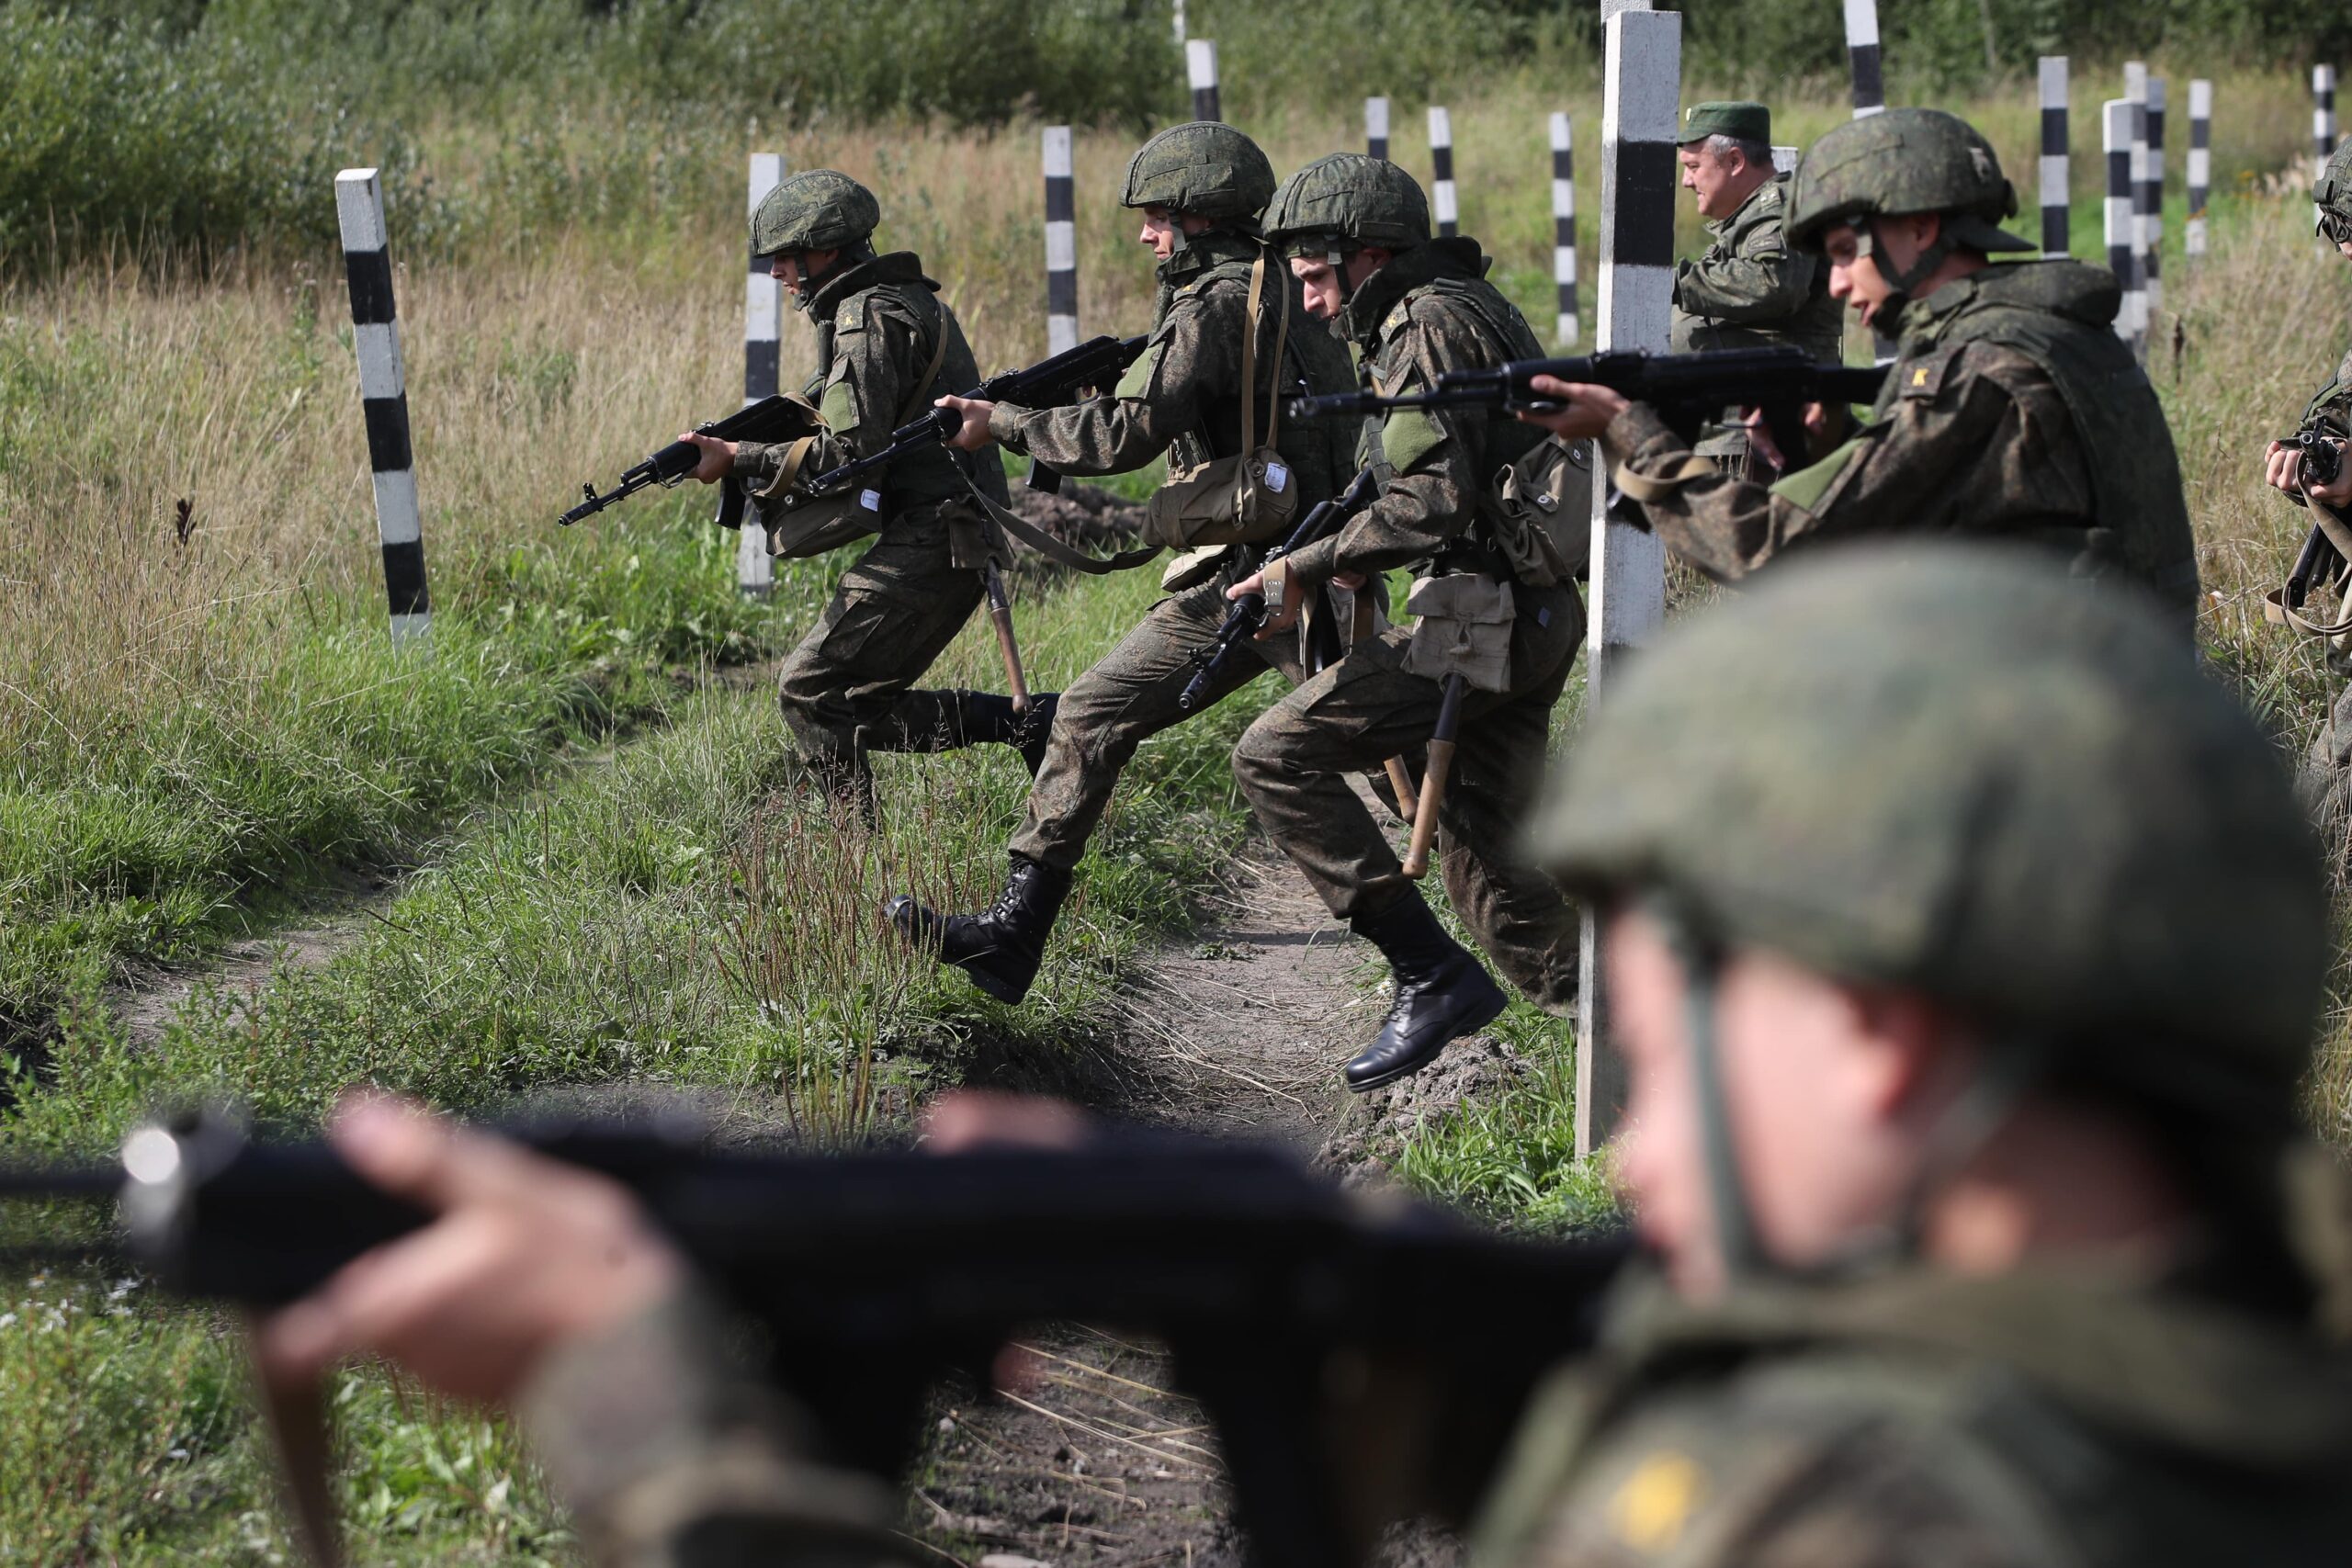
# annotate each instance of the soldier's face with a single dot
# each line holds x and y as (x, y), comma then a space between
(796, 270)
(1163, 227)
(1708, 176)
(1829, 1087)
(1327, 286)
(1854, 277)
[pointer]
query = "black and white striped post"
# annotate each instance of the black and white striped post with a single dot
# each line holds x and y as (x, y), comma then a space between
(1200, 69)
(2057, 172)
(763, 309)
(2200, 164)
(2135, 286)
(1375, 126)
(383, 399)
(2323, 122)
(2116, 117)
(1862, 57)
(1563, 230)
(2152, 200)
(1642, 87)
(1061, 244)
(1448, 213)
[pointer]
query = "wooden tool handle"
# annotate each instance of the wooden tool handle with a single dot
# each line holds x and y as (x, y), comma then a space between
(1433, 778)
(1001, 616)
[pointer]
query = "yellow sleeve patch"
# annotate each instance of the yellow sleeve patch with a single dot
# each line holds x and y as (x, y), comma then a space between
(1805, 488)
(1653, 1505)
(1406, 437)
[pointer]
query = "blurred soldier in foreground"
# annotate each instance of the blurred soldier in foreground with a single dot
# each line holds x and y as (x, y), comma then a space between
(2311, 477)
(1229, 342)
(1967, 949)
(2012, 410)
(1498, 625)
(887, 345)
(1749, 289)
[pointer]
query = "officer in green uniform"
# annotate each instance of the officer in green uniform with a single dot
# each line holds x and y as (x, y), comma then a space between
(1225, 307)
(1967, 949)
(1751, 288)
(2328, 768)
(887, 345)
(2012, 410)
(1357, 232)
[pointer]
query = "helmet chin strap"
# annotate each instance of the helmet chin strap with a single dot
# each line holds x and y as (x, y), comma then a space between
(1888, 316)
(1736, 1241)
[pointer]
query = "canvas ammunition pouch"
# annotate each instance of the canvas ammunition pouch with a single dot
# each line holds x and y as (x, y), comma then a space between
(1239, 499)
(1542, 519)
(800, 524)
(1464, 629)
(1192, 568)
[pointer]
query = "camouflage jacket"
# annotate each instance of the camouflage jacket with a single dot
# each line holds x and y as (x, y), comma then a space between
(1750, 290)
(878, 326)
(1428, 310)
(1184, 396)
(2012, 411)
(2043, 1419)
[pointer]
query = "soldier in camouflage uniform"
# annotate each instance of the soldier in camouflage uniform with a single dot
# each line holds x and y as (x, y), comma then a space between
(2328, 772)
(1968, 952)
(1357, 231)
(2012, 411)
(1749, 289)
(1202, 188)
(886, 345)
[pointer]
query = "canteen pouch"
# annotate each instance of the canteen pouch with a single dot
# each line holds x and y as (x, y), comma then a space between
(1233, 500)
(1464, 629)
(1543, 519)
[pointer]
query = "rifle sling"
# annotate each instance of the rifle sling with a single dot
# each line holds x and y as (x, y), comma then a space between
(2279, 613)
(1054, 549)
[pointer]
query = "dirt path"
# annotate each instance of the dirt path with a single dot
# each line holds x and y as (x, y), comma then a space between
(1240, 1029)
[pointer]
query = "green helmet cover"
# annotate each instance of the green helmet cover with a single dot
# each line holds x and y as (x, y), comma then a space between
(1905, 161)
(1348, 199)
(2333, 190)
(817, 209)
(1205, 168)
(1956, 770)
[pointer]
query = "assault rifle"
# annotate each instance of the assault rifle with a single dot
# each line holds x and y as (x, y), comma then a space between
(2321, 462)
(1095, 364)
(1248, 612)
(1687, 389)
(874, 1275)
(770, 419)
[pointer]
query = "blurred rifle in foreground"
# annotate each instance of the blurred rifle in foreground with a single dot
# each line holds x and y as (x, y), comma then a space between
(876, 1275)
(1687, 389)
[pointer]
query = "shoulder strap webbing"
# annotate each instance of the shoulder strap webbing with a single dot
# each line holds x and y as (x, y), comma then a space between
(1054, 549)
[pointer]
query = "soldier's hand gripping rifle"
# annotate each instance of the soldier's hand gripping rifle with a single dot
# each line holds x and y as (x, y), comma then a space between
(1093, 366)
(2321, 463)
(1687, 389)
(769, 420)
(1248, 612)
(874, 1275)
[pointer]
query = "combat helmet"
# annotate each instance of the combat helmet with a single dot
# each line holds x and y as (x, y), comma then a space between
(1903, 160)
(1954, 770)
(2332, 192)
(1205, 168)
(1346, 200)
(817, 209)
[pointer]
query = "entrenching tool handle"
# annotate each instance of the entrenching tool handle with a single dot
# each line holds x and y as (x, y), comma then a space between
(1433, 778)
(1001, 617)
(1400, 779)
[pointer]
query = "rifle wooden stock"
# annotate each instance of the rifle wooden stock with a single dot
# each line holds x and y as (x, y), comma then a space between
(1433, 778)
(1001, 617)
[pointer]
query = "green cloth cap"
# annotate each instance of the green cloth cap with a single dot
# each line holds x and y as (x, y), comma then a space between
(1739, 120)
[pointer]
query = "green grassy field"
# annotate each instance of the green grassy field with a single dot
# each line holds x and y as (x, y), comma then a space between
(609, 879)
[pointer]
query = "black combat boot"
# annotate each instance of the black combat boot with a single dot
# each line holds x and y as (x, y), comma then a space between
(988, 717)
(999, 950)
(1443, 993)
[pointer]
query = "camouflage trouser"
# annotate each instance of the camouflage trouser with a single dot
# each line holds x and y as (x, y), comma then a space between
(844, 689)
(1128, 697)
(1292, 765)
